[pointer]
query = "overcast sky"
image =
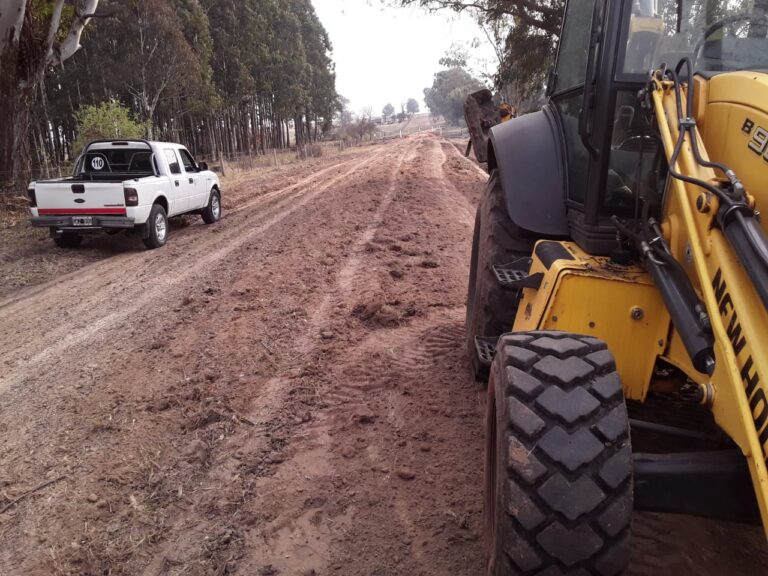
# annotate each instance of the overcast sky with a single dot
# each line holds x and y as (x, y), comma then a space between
(391, 54)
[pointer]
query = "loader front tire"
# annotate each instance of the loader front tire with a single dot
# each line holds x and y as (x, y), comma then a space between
(496, 241)
(558, 464)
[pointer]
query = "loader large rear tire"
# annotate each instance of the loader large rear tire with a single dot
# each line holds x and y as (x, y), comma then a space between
(558, 473)
(496, 241)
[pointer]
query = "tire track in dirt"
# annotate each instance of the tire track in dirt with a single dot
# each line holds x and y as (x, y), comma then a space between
(294, 527)
(381, 411)
(299, 540)
(315, 177)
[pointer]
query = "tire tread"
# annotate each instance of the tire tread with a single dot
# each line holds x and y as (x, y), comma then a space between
(567, 484)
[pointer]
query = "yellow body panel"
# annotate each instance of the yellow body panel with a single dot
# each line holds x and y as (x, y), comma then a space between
(619, 304)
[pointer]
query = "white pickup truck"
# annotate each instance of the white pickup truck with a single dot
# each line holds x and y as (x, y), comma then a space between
(125, 185)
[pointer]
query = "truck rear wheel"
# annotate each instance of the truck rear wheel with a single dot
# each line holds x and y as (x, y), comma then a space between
(491, 308)
(212, 212)
(68, 240)
(558, 463)
(158, 228)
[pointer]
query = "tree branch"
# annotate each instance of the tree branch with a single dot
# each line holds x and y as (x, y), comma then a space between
(53, 28)
(11, 22)
(524, 10)
(37, 488)
(71, 43)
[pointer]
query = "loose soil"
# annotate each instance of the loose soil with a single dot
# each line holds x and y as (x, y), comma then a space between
(284, 392)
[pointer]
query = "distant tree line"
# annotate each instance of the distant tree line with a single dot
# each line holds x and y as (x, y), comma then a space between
(222, 76)
(407, 108)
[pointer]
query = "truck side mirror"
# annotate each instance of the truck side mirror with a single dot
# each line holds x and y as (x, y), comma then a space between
(202, 165)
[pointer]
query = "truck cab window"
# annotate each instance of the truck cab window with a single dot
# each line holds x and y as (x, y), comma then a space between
(173, 161)
(186, 159)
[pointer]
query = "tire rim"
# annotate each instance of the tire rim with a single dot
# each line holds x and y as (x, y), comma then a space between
(215, 206)
(160, 227)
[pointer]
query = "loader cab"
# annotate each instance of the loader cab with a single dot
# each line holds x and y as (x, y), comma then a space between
(609, 156)
(613, 159)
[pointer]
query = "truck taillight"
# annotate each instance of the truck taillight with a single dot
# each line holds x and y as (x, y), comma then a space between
(131, 197)
(32, 197)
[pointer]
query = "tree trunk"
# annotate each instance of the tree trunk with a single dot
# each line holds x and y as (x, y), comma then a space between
(15, 166)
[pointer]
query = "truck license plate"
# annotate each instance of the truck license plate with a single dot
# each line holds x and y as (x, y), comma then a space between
(82, 221)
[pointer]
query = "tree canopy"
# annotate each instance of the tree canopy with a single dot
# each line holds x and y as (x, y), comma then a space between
(448, 93)
(524, 33)
(107, 120)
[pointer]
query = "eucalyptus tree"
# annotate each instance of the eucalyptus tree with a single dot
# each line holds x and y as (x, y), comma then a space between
(35, 35)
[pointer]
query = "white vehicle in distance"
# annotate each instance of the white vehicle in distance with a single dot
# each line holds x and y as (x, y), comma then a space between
(130, 185)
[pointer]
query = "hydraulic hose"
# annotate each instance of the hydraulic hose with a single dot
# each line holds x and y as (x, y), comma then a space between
(735, 218)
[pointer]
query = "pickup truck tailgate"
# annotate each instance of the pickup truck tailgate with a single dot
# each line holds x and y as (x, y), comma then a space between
(97, 198)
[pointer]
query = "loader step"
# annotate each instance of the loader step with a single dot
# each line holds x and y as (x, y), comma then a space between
(515, 275)
(485, 349)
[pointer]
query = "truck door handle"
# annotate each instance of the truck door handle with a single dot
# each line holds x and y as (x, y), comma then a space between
(176, 182)
(191, 180)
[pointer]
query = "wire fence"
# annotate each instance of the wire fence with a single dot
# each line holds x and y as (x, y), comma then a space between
(274, 158)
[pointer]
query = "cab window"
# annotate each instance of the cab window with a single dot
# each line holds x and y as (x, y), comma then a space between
(636, 166)
(569, 91)
(187, 161)
(173, 161)
(574, 47)
(717, 35)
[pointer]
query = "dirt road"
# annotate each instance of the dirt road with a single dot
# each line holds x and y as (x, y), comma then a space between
(282, 393)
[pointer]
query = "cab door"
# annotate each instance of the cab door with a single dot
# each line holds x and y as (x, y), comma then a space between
(568, 94)
(180, 187)
(198, 193)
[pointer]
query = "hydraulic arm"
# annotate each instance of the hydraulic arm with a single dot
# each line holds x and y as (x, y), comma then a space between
(710, 231)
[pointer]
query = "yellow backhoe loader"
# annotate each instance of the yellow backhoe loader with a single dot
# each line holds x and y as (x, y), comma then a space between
(618, 259)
